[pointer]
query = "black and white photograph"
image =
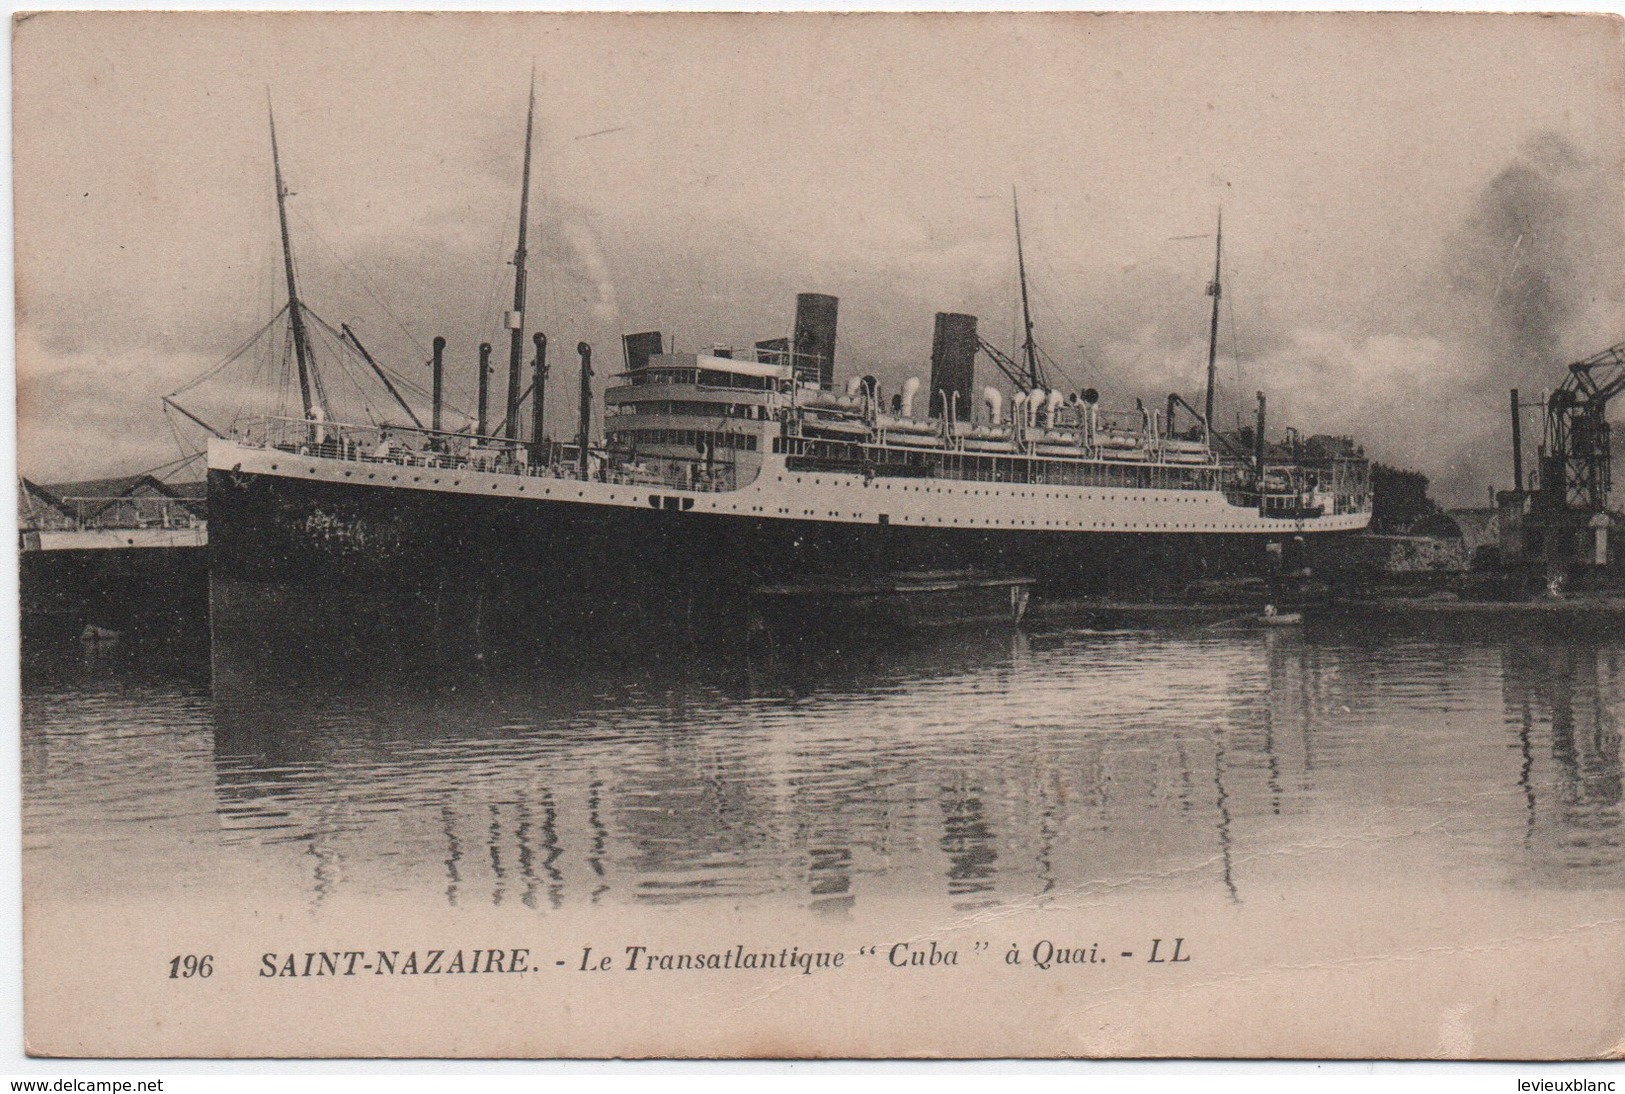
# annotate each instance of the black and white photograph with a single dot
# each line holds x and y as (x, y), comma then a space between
(805, 535)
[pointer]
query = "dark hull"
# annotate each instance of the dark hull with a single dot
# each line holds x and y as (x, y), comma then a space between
(418, 568)
(157, 592)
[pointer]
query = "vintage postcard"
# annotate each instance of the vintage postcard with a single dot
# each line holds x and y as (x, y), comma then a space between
(814, 535)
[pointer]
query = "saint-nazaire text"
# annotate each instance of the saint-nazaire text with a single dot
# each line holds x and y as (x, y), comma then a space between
(1044, 956)
(395, 962)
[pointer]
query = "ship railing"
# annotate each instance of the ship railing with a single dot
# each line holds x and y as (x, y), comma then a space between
(381, 443)
(716, 481)
(405, 446)
(702, 379)
(1300, 486)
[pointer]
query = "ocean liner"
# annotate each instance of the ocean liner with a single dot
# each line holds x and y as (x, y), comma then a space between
(717, 475)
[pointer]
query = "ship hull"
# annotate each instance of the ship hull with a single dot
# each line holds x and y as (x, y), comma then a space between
(298, 563)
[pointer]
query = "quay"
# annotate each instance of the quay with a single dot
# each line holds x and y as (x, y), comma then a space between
(109, 557)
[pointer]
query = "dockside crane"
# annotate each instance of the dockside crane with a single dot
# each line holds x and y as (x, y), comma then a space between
(1576, 450)
(1562, 519)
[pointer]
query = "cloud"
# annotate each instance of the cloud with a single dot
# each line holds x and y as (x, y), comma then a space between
(1521, 263)
(69, 429)
(1394, 260)
(1417, 373)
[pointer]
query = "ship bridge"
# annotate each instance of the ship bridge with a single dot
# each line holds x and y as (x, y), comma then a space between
(707, 416)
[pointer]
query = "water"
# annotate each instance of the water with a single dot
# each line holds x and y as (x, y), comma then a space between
(962, 770)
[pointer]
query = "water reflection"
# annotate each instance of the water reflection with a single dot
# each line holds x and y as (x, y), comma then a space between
(965, 768)
(1574, 693)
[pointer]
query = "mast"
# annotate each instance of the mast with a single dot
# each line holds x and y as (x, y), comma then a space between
(516, 318)
(1028, 348)
(1215, 290)
(301, 348)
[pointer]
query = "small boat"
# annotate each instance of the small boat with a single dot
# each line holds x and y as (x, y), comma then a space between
(900, 600)
(1273, 618)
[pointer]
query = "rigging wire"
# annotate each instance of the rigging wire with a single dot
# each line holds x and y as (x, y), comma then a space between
(316, 379)
(245, 392)
(1235, 349)
(489, 306)
(272, 372)
(174, 430)
(215, 369)
(257, 381)
(362, 279)
(169, 467)
(284, 375)
(350, 351)
(1055, 319)
(343, 360)
(1057, 284)
(1056, 365)
(550, 295)
(1051, 313)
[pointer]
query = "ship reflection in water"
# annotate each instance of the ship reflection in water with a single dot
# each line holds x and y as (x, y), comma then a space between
(964, 769)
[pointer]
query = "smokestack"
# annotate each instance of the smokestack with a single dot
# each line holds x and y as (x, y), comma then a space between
(1258, 446)
(953, 360)
(815, 337)
(439, 378)
(639, 348)
(538, 401)
(485, 386)
(1517, 445)
(586, 406)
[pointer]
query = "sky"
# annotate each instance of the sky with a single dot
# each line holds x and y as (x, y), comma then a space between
(1420, 210)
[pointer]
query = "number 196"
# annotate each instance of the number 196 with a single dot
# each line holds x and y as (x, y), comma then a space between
(189, 965)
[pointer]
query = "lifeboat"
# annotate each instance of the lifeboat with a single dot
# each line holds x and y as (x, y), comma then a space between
(845, 429)
(913, 440)
(892, 424)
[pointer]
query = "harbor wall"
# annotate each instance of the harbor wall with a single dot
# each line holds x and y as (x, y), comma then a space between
(148, 591)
